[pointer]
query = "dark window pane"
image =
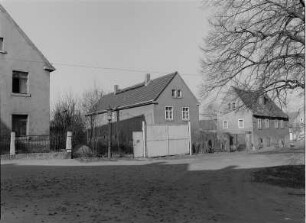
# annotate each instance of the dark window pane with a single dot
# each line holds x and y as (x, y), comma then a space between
(16, 85)
(1, 44)
(19, 124)
(20, 82)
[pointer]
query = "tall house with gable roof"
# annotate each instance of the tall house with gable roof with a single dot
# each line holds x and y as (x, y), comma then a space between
(24, 82)
(166, 100)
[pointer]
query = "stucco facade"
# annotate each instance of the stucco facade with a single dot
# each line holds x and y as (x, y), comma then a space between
(154, 113)
(254, 129)
(187, 100)
(19, 54)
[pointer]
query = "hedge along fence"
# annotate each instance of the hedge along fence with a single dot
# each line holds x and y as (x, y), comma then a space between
(212, 141)
(122, 136)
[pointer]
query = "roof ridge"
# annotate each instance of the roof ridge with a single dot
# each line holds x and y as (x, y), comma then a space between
(141, 84)
(135, 94)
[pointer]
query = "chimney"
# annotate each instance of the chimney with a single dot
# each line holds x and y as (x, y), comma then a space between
(116, 89)
(147, 79)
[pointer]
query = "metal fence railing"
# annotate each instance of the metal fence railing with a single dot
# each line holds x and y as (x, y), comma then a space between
(34, 143)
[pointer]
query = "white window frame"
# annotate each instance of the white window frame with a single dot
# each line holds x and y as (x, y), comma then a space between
(185, 114)
(259, 123)
(179, 93)
(173, 93)
(267, 123)
(169, 113)
(241, 127)
(225, 124)
(276, 124)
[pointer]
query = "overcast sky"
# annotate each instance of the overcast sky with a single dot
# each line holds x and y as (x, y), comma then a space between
(149, 36)
(82, 37)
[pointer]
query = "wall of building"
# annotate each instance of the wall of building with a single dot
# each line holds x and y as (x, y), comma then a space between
(271, 136)
(20, 56)
(187, 100)
(147, 111)
(232, 120)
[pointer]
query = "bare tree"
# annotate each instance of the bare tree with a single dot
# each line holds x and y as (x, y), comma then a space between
(88, 103)
(256, 44)
(67, 117)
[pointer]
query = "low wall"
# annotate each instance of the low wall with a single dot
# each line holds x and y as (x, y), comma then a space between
(38, 156)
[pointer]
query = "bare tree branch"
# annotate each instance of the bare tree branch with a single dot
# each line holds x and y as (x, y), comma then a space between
(256, 44)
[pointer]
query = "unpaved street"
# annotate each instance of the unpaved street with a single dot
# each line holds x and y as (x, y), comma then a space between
(204, 188)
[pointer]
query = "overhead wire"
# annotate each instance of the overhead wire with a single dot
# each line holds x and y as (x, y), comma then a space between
(101, 67)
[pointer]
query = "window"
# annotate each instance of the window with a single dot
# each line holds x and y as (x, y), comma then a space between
(1, 45)
(259, 123)
(179, 94)
(173, 93)
(20, 82)
(185, 113)
(233, 105)
(176, 93)
(267, 123)
(282, 123)
(276, 124)
(225, 124)
(229, 105)
(262, 100)
(19, 124)
(169, 113)
(240, 123)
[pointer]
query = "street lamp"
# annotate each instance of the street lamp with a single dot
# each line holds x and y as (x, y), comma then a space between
(109, 118)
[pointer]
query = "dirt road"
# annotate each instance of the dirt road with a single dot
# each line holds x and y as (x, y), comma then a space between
(205, 188)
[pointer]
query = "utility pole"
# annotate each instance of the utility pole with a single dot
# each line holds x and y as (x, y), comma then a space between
(109, 118)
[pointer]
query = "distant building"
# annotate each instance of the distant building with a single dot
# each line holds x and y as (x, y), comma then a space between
(165, 100)
(253, 120)
(297, 124)
(24, 82)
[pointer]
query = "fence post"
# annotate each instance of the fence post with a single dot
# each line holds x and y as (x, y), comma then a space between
(68, 142)
(144, 138)
(12, 145)
(190, 144)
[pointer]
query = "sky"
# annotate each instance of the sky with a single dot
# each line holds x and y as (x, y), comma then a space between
(83, 38)
(102, 43)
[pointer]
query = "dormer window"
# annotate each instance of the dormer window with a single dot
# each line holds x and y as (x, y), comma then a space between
(233, 105)
(262, 100)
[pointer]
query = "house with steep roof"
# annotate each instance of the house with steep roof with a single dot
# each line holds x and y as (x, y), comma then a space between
(253, 120)
(166, 100)
(24, 83)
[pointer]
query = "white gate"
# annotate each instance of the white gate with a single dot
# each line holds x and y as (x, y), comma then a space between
(164, 140)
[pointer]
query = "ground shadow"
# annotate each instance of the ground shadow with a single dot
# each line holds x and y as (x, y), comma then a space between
(156, 192)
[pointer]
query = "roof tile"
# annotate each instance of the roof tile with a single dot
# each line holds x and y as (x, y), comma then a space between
(135, 94)
(268, 109)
